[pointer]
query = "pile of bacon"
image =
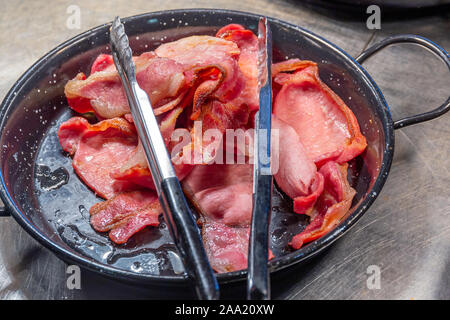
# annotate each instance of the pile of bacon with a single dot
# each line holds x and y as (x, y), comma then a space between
(212, 80)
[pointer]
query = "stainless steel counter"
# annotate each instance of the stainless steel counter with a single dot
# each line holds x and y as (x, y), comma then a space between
(406, 233)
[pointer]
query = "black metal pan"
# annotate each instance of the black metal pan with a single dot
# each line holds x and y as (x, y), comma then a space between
(390, 9)
(41, 191)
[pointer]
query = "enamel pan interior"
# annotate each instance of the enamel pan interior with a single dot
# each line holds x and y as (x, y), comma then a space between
(42, 192)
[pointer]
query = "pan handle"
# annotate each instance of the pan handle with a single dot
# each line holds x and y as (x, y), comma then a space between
(425, 43)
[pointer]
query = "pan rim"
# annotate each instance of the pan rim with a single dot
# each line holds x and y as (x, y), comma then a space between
(308, 251)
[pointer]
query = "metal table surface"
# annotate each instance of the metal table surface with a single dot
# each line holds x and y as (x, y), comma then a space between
(406, 233)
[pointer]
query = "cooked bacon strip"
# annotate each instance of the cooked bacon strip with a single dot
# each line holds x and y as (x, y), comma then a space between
(304, 204)
(221, 116)
(290, 66)
(326, 126)
(297, 174)
(206, 51)
(248, 61)
(217, 102)
(125, 214)
(202, 147)
(226, 247)
(98, 150)
(223, 196)
(102, 62)
(136, 170)
(170, 105)
(293, 170)
(222, 192)
(332, 205)
(206, 81)
(162, 79)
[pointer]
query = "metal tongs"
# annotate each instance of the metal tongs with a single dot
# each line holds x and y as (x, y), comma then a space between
(177, 214)
(258, 282)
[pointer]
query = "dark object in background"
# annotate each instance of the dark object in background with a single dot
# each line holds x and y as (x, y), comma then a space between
(390, 9)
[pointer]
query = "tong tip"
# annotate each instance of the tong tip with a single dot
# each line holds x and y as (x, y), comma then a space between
(120, 46)
(117, 34)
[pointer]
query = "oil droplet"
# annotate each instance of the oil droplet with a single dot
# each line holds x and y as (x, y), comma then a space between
(136, 267)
